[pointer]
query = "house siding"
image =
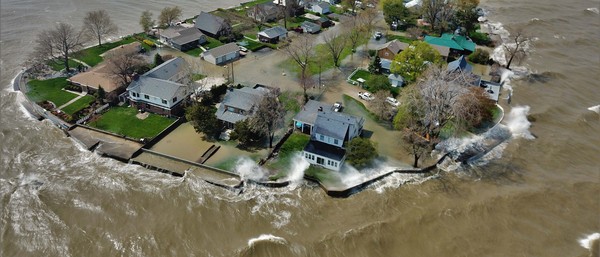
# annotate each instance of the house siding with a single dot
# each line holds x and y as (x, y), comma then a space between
(326, 162)
(386, 54)
(328, 140)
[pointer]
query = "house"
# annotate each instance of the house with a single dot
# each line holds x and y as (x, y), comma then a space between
(324, 22)
(309, 27)
(396, 80)
(101, 75)
(212, 25)
(161, 90)
(492, 88)
(442, 50)
(265, 12)
(390, 49)
(321, 8)
(222, 54)
(458, 45)
(181, 38)
(239, 104)
(286, 2)
(331, 2)
(460, 65)
(329, 131)
(272, 35)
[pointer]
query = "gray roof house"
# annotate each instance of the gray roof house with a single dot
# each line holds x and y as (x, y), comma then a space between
(264, 12)
(320, 7)
(459, 64)
(306, 118)
(162, 89)
(239, 104)
(212, 25)
(328, 135)
(309, 27)
(222, 54)
(396, 80)
(272, 35)
(182, 38)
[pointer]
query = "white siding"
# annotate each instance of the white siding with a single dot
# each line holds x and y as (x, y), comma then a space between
(327, 163)
(329, 140)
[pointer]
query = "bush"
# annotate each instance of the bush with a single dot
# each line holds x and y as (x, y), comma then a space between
(480, 56)
(372, 52)
(149, 43)
(480, 38)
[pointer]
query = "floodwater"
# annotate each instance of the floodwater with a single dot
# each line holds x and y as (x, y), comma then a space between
(538, 195)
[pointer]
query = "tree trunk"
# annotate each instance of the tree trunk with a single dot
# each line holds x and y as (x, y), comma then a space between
(99, 40)
(416, 161)
(67, 62)
(271, 136)
(512, 55)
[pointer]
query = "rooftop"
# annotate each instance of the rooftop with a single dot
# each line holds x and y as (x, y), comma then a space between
(210, 23)
(308, 114)
(223, 50)
(456, 42)
(395, 46)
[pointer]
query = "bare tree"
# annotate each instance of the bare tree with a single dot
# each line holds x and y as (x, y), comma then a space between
(168, 15)
(301, 52)
(438, 13)
(98, 24)
(516, 49)
(380, 106)
(58, 43)
(354, 37)
(146, 21)
(473, 108)
(269, 115)
(335, 44)
(123, 65)
(414, 33)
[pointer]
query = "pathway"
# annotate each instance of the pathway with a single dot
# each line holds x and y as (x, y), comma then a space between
(72, 101)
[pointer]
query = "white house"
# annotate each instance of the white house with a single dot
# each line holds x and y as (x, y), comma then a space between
(329, 131)
(162, 89)
(396, 80)
(321, 8)
(272, 35)
(222, 54)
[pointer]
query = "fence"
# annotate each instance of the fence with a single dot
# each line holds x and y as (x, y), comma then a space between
(87, 117)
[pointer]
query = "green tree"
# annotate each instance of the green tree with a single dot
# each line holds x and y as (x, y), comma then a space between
(146, 21)
(411, 62)
(203, 119)
(168, 15)
(158, 60)
(100, 94)
(394, 10)
(375, 65)
(244, 134)
(377, 83)
(466, 14)
(361, 151)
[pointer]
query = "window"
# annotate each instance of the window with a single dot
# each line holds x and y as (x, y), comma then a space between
(335, 141)
(146, 96)
(164, 101)
(320, 161)
(322, 137)
(174, 99)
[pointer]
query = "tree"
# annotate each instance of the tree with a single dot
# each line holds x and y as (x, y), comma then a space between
(100, 94)
(516, 49)
(407, 119)
(146, 21)
(168, 15)
(394, 10)
(269, 115)
(98, 24)
(301, 52)
(411, 62)
(354, 37)
(380, 106)
(378, 82)
(158, 59)
(350, 4)
(123, 64)
(335, 44)
(414, 33)
(375, 65)
(474, 108)
(244, 134)
(438, 13)
(361, 151)
(466, 14)
(58, 43)
(203, 119)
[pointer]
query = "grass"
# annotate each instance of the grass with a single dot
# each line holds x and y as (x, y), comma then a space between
(361, 74)
(295, 143)
(50, 90)
(58, 65)
(290, 101)
(197, 76)
(253, 3)
(251, 45)
(359, 108)
(78, 105)
(320, 174)
(122, 120)
(91, 55)
(400, 38)
(212, 43)
(251, 36)
(195, 52)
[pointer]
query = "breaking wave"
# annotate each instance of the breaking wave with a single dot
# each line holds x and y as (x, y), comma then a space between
(266, 237)
(592, 243)
(595, 109)
(517, 122)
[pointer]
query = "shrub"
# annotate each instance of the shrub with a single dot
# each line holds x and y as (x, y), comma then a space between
(149, 43)
(480, 56)
(480, 38)
(372, 52)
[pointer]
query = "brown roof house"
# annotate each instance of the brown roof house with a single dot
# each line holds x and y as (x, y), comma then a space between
(101, 75)
(390, 49)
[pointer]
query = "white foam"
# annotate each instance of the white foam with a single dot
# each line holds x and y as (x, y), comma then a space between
(249, 169)
(296, 170)
(517, 122)
(588, 241)
(266, 237)
(595, 109)
(593, 9)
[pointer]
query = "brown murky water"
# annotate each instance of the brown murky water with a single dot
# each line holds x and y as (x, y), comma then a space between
(537, 197)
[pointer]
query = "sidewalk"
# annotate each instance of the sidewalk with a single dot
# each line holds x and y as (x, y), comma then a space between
(72, 101)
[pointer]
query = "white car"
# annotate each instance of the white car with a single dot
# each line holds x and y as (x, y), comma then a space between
(243, 49)
(337, 106)
(365, 96)
(392, 101)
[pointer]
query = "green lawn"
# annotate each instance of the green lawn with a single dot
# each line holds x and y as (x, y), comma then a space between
(211, 43)
(91, 55)
(50, 90)
(58, 65)
(195, 52)
(255, 2)
(78, 105)
(321, 174)
(251, 36)
(251, 45)
(400, 38)
(295, 143)
(361, 74)
(122, 120)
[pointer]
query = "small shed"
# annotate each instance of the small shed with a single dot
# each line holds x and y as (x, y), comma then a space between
(396, 80)
(321, 8)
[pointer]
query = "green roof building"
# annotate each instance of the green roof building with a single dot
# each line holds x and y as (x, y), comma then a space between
(455, 42)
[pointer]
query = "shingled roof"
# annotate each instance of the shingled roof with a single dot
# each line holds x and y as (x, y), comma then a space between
(451, 41)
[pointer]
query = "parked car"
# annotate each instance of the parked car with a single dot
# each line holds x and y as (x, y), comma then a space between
(365, 96)
(378, 35)
(337, 106)
(392, 101)
(243, 49)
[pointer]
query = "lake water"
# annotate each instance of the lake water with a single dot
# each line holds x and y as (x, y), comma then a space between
(534, 197)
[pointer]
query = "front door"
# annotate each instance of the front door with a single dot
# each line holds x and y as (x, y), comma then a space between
(320, 161)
